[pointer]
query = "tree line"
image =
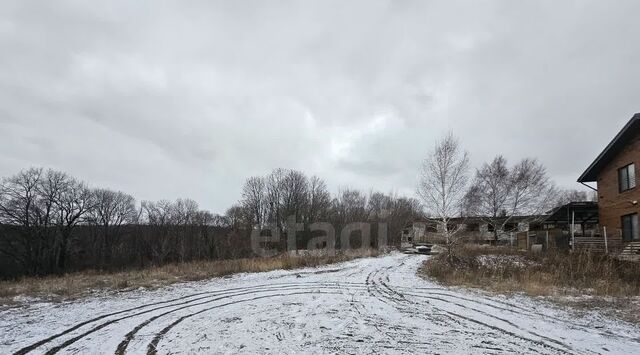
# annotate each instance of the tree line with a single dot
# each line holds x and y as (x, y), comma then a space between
(51, 222)
(289, 196)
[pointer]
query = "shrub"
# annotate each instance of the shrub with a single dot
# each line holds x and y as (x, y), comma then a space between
(555, 272)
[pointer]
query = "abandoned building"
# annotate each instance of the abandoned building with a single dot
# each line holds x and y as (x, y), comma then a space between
(555, 229)
(471, 229)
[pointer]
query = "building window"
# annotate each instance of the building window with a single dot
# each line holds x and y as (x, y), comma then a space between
(630, 227)
(473, 227)
(627, 177)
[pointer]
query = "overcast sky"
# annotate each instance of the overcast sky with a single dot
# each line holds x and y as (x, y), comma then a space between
(188, 98)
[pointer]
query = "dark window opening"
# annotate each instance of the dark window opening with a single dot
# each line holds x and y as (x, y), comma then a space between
(627, 177)
(630, 227)
(473, 227)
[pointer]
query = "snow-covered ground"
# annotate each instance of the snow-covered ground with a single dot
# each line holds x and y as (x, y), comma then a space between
(376, 305)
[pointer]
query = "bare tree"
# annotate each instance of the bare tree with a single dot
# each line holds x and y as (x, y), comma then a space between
(157, 213)
(21, 210)
(442, 186)
(237, 217)
(403, 211)
(499, 193)
(185, 231)
(216, 220)
(572, 195)
(160, 216)
(46, 206)
(76, 200)
(274, 184)
(254, 199)
(349, 206)
(319, 200)
(378, 204)
(294, 195)
(489, 193)
(112, 210)
(184, 212)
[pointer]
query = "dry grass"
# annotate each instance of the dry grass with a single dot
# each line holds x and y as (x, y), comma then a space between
(505, 270)
(82, 283)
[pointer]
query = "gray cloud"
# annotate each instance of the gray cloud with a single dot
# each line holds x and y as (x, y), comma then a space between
(167, 99)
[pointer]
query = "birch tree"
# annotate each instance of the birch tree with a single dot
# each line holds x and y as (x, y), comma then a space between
(499, 193)
(442, 186)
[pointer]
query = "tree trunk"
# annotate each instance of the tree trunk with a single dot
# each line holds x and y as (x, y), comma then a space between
(62, 252)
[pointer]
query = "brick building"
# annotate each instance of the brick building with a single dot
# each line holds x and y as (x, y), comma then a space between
(615, 171)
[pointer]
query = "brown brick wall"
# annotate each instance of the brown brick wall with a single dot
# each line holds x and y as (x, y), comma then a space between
(613, 204)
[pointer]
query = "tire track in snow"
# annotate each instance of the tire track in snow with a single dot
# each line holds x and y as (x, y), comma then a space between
(401, 298)
(521, 311)
(379, 294)
(165, 304)
(452, 293)
(71, 341)
(401, 302)
(511, 308)
(122, 347)
(557, 342)
(152, 348)
(448, 319)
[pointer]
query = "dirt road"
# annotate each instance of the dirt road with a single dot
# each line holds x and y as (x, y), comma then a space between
(376, 305)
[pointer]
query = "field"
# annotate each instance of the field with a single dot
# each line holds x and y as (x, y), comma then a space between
(370, 305)
(86, 283)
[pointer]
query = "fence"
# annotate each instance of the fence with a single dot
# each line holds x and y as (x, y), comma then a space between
(592, 238)
(598, 239)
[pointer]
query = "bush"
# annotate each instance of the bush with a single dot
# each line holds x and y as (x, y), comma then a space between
(504, 269)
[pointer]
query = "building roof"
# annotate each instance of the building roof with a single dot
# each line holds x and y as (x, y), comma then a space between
(583, 212)
(617, 144)
(477, 219)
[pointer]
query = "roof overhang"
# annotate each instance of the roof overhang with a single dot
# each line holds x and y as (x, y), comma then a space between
(630, 130)
(584, 212)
